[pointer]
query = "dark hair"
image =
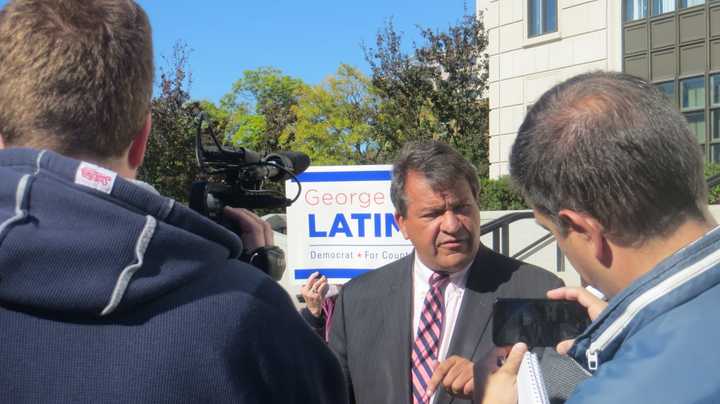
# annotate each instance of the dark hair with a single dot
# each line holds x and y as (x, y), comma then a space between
(612, 146)
(75, 75)
(439, 163)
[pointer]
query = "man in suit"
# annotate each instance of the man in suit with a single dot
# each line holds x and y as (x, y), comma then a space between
(393, 326)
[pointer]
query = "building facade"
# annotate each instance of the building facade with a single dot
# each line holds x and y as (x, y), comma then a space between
(534, 44)
(676, 45)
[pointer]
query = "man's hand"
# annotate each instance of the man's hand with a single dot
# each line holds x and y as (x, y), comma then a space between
(253, 231)
(314, 293)
(592, 304)
(501, 386)
(456, 376)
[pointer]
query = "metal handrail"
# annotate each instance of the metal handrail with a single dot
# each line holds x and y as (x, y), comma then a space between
(500, 229)
(713, 181)
(504, 220)
(535, 246)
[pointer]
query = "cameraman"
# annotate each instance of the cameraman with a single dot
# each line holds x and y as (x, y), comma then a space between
(108, 291)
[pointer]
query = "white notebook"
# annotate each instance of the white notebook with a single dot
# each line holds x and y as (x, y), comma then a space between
(530, 384)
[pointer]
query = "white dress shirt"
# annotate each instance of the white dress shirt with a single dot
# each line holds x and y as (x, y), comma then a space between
(453, 298)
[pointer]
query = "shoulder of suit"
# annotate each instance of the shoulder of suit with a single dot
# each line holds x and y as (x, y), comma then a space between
(518, 270)
(544, 276)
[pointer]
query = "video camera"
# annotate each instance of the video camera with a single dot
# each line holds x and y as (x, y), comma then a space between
(236, 177)
(242, 174)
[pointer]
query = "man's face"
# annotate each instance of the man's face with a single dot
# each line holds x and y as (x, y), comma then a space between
(581, 252)
(443, 226)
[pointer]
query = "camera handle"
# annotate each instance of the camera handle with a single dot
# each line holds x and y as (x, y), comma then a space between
(269, 259)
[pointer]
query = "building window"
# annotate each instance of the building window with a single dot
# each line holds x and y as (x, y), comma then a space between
(715, 90)
(715, 118)
(636, 9)
(663, 6)
(692, 103)
(715, 138)
(715, 153)
(542, 17)
(696, 121)
(668, 88)
(690, 3)
(692, 93)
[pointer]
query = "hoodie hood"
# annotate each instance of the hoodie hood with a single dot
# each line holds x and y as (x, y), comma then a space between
(78, 239)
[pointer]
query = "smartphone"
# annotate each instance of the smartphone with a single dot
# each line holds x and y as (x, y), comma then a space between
(537, 322)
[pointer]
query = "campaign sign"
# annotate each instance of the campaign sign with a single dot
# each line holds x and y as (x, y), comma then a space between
(342, 225)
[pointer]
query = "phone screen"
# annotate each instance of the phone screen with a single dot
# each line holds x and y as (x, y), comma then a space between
(537, 322)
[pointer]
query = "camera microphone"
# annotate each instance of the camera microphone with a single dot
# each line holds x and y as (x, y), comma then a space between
(295, 162)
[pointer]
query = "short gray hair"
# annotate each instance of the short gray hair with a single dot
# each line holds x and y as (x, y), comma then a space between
(612, 146)
(439, 163)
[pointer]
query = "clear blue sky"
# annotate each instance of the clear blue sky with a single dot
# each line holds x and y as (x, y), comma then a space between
(305, 39)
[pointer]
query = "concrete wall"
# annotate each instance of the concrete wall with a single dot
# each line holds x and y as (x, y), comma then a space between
(521, 68)
(522, 234)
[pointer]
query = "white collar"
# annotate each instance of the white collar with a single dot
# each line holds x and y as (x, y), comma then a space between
(423, 273)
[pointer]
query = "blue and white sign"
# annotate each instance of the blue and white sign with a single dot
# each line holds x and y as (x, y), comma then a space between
(343, 223)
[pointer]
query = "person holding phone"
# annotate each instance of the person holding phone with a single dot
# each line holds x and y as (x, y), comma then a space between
(611, 168)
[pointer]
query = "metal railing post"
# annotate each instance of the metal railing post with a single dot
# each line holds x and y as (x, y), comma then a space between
(505, 245)
(560, 259)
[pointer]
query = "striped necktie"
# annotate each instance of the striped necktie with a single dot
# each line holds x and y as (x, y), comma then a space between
(427, 343)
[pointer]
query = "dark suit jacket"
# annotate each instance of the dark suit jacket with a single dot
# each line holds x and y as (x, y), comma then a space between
(371, 325)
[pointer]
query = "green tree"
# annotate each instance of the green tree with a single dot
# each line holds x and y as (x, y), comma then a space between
(258, 109)
(436, 91)
(170, 158)
(500, 194)
(335, 120)
(711, 170)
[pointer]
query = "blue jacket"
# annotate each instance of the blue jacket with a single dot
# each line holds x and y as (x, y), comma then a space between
(657, 341)
(111, 293)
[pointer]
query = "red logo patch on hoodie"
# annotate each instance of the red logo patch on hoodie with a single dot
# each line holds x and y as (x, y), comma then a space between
(95, 177)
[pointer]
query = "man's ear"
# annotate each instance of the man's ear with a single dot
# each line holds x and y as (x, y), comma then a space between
(136, 153)
(401, 224)
(589, 231)
(2, 143)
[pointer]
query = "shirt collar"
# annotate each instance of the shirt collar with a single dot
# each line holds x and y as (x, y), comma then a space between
(423, 273)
